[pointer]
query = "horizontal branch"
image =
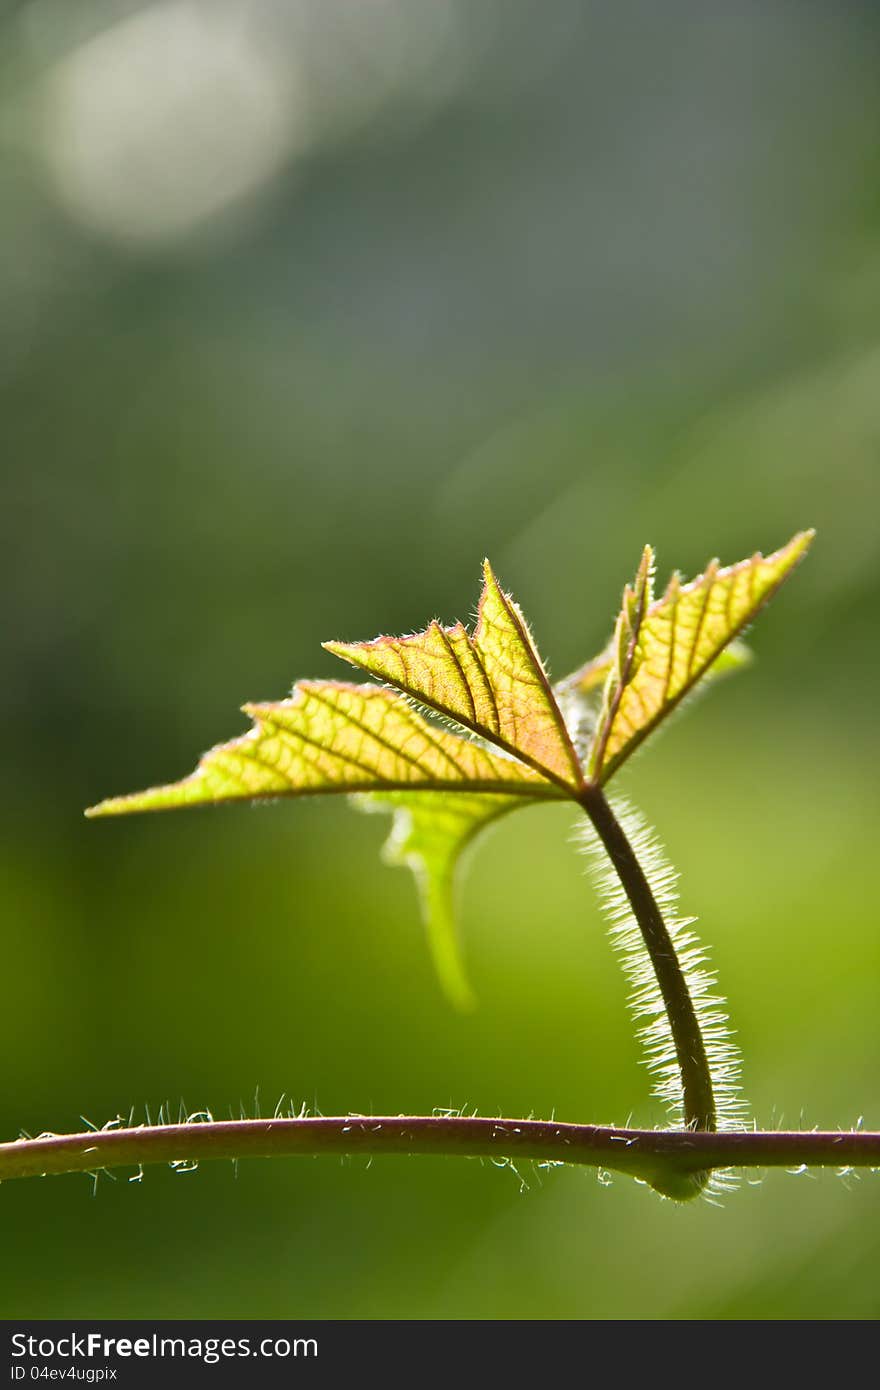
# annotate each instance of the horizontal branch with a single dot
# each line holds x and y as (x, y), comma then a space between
(667, 1159)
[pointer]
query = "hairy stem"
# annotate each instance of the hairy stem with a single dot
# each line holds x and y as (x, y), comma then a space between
(668, 1160)
(690, 1049)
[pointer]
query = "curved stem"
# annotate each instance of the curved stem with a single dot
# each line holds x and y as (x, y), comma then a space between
(669, 1160)
(690, 1049)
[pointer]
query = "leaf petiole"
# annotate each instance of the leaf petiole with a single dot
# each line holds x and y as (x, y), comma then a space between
(690, 1050)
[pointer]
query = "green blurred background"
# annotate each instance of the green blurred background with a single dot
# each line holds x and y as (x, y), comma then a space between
(305, 308)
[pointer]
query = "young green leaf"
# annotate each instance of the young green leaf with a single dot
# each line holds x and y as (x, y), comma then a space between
(493, 683)
(590, 678)
(333, 737)
(430, 833)
(520, 740)
(579, 695)
(662, 649)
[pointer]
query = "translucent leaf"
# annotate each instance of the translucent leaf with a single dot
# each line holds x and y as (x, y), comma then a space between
(590, 678)
(579, 695)
(430, 833)
(520, 739)
(661, 649)
(333, 737)
(492, 683)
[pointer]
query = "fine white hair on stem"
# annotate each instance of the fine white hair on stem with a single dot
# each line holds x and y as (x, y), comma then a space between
(646, 1000)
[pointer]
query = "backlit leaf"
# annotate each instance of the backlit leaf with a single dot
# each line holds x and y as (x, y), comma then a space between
(430, 833)
(660, 650)
(519, 739)
(579, 695)
(333, 737)
(492, 683)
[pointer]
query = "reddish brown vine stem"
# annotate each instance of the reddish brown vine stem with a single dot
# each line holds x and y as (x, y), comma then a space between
(666, 1159)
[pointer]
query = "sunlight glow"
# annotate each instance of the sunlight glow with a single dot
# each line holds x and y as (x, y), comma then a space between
(167, 119)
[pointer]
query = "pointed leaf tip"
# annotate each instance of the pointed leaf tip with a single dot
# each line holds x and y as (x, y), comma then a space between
(334, 737)
(492, 683)
(646, 565)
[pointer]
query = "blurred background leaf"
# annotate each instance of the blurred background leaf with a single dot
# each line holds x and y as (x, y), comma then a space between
(305, 308)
